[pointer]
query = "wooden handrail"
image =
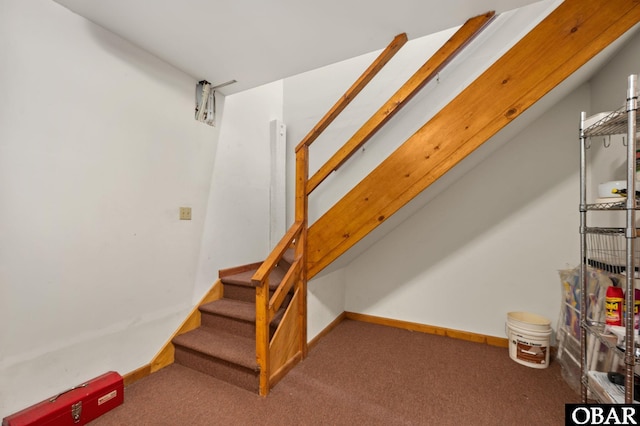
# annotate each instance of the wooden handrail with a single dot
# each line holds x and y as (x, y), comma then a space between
(285, 286)
(356, 88)
(264, 308)
(276, 254)
(426, 73)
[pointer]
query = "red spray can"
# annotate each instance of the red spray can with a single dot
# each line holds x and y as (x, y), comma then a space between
(636, 309)
(614, 305)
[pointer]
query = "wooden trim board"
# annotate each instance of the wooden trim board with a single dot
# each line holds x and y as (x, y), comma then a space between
(145, 370)
(238, 269)
(137, 374)
(313, 342)
(165, 356)
(430, 329)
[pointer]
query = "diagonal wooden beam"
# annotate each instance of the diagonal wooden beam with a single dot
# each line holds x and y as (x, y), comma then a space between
(426, 73)
(564, 41)
(375, 67)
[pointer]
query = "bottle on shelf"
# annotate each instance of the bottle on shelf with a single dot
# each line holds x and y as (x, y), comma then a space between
(614, 301)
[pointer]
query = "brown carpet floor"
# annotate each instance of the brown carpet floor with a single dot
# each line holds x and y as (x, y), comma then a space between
(363, 374)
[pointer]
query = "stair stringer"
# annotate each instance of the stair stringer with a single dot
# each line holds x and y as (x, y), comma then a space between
(166, 354)
(565, 40)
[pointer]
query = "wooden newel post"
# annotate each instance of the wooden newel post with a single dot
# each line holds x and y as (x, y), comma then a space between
(262, 334)
(302, 177)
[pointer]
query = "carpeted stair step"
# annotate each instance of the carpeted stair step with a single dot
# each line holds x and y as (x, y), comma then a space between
(289, 256)
(240, 287)
(234, 316)
(223, 355)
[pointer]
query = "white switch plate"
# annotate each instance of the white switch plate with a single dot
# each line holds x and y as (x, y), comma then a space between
(185, 213)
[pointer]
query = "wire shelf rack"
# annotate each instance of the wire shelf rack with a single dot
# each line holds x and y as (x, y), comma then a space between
(606, 250)
(615, 123)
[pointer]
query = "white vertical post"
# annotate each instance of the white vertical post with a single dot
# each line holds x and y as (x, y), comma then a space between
(277, 186)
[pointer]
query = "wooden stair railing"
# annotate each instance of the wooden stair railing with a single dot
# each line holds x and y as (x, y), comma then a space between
(278, 354)
(354, 90)
(565, 40)
(286, 347)
(418, 80)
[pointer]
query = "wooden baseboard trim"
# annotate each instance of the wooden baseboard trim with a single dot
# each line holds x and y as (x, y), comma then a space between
(238, 269)
(165, 356)
(137, 374)
(326, 330)
(430, 329)
(166, 353)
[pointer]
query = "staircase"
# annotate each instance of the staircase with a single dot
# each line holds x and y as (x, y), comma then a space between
(253, 331)
(224, 345)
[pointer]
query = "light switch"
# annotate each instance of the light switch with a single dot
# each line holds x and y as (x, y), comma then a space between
(185, 213)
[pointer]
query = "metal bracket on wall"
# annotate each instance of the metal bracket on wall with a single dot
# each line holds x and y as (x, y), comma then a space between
(206, 101)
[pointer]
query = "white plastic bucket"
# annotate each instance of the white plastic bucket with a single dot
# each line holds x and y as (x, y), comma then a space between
(529, 336)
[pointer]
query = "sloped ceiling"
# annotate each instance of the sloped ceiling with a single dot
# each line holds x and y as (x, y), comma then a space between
(260, 41)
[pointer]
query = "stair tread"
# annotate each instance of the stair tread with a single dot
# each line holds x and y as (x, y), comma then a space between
(232, 308)
(244, 278)
(219, 344)
(289, 256)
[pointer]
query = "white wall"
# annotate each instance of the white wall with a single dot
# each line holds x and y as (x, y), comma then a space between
(238, 214)
(98, 150)
(325, 301)
(490, 244)
(609, 86)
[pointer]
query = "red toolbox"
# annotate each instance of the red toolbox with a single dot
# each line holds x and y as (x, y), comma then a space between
(76, 406)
